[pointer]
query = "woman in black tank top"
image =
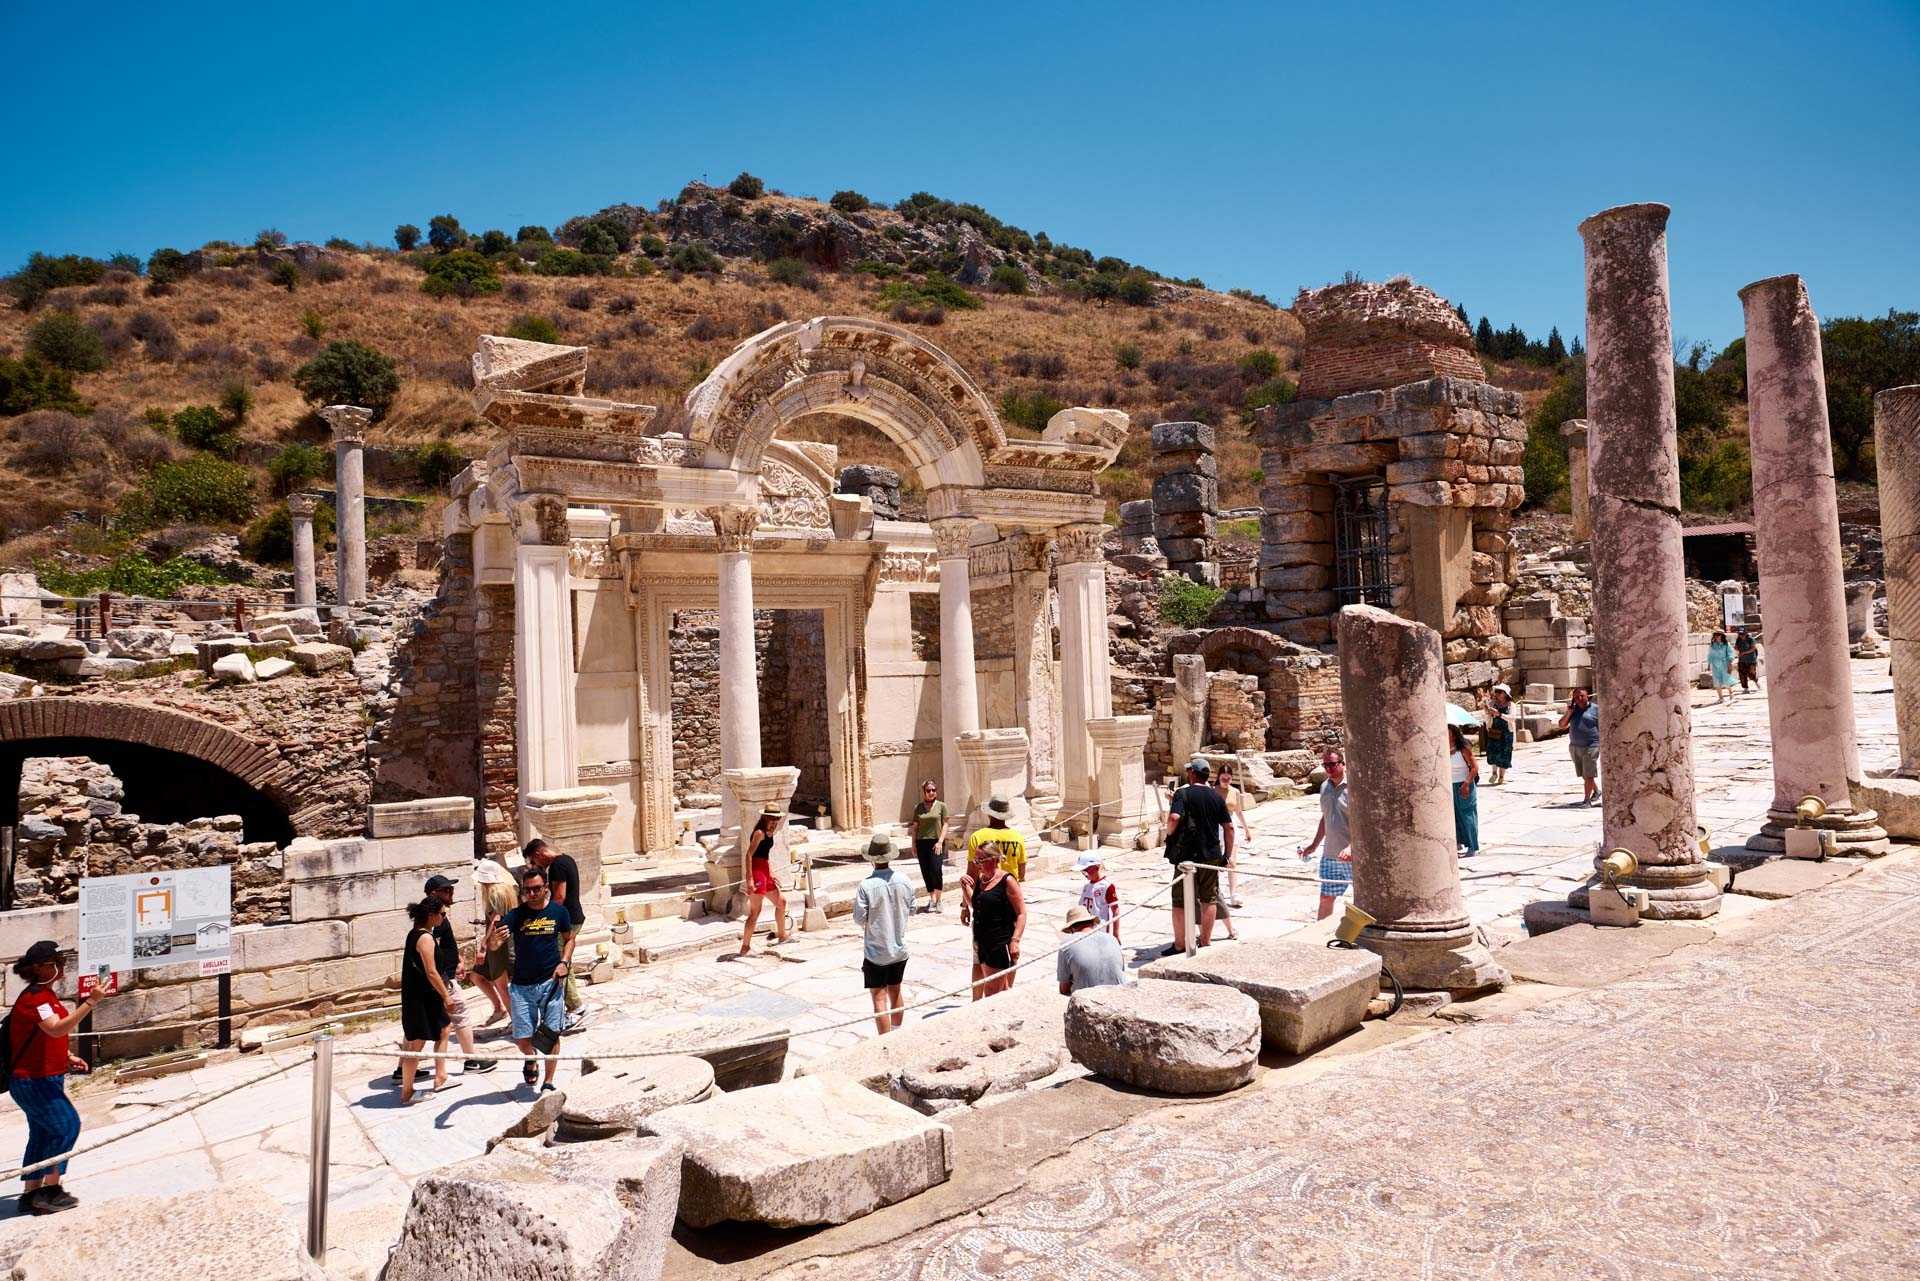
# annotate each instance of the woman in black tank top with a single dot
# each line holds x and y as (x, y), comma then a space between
(991, 902)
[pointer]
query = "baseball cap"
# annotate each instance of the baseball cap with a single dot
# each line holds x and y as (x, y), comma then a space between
(1087, 860)
(1199, 765)
(438, 882)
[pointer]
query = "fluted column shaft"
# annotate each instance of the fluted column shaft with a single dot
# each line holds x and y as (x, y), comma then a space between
(545, 720)
(959, 676)
(349, 423)
(1086, 670)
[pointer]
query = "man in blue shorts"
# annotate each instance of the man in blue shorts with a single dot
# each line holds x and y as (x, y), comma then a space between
(1336, 863)
(543, 938)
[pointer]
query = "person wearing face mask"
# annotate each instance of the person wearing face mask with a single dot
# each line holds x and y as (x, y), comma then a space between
(1336, 863)
(37, 1030)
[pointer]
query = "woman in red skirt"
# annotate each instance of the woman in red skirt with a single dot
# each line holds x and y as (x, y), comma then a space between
(761, 884)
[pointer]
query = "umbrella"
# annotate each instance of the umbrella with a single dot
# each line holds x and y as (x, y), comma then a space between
(1458, 715)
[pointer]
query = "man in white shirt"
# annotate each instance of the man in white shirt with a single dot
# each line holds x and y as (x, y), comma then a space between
(1336, 863)
(881, 906)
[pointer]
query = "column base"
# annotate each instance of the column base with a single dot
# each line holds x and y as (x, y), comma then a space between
(1675, 892)
(1895, 799)
(1858, 831)
(1453, 961)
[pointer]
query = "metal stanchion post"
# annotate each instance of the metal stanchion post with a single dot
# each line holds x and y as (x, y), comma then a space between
(319, 1144)
(1189, 910)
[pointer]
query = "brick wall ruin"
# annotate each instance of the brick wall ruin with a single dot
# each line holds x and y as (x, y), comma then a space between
(1364, 336)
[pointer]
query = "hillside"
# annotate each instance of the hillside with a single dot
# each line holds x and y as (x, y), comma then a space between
(697, 275)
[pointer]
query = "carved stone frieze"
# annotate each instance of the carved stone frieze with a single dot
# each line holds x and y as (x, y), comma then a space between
(904, 566)
(1080, 544)
(592, 558)
(789, 500)
(539, 518)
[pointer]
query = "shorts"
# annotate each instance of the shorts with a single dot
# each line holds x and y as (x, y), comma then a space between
(1336, 876)
(933, 868)
(457, 1009)
(762, 881)
(532, 1004)
(1206, 886)
(995, 956)
(1586, 760)
(877, 975)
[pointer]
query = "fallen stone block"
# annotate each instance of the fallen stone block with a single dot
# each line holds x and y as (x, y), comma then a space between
(536, 1122)
(139, 642)
(235, 669)
(51, 649)
(1182, 1038)
(743, 1051)
(209, 652)
(816, 1150)
(575, 1212)
(12, 686)
(271, 668)
(1308, 993)
(302, 622)
(233, 1230)
(314, 657)
(1000, 1067)
(1897, 801)
(1030, 1015)
(266, 635)
(616, 1099)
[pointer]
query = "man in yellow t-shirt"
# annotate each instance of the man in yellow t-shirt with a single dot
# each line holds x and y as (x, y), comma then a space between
(1009, 844)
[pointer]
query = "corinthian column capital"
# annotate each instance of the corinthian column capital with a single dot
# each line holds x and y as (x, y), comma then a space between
(734, 526)
(1079, 544)
(953, 538)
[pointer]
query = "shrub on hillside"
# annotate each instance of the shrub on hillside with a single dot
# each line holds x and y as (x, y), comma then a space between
(269, 540)
(236, 401)
(60, 339)
(1007, 279)
(43, 274)
(204, 427)
(349, 373)
(695, 256)
(849, 201)
(747, 187)
(934, 288)
(164, 266)
(533, 234)
(31, 384)
(533, 329)
(1260, 365)
(1030, 410)
(461, 273)
(494, 241)
(571, 262)
(155, 334)
(1275, 391)
(791, 271)
(129, 574)
(295, 465)
(603, 236)
(445, 234)
(1127, 355)
(407, 237)
(198, 490)
(437, 462)
(286, 275)
(312, 323)
(53, 441)
(652, 246)
(580, 299)
(1185, 603)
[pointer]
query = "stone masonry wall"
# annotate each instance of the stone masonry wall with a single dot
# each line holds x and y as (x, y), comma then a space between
(1186, 497)
(1236, 712)
(428, 744)
(1364, 334)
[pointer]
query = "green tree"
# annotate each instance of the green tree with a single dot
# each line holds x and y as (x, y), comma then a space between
(571, 262)
(165, 266)
(26, 385)
(43, 274)
(445, 234)
(849, 201)
(494, 241)
(197, 489)
(295, 465)
(1556, 346)
(407, 236)
(747, 187)
(349, 373)
(1483, 338)
(204, 427)
(1863, 357)
(533, 234)
(461, 273)
(269, 540)
(1259, 365)
(62, 340)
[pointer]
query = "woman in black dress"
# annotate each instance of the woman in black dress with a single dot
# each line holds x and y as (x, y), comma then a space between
(991, 902)
(424, 998)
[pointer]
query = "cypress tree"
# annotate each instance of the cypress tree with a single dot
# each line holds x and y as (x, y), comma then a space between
(1483, 337)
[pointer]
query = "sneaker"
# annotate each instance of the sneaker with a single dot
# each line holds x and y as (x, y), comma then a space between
(28, 1200)
(50, 1202)
(395, 1077)
(479, 1065)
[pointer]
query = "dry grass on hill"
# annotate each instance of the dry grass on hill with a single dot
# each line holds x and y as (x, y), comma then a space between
(652, 338)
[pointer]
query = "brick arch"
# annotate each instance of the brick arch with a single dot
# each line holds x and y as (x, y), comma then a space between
(113, 720)
(1225, 646)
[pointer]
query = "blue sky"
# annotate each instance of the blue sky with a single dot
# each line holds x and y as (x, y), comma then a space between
(1260, 145)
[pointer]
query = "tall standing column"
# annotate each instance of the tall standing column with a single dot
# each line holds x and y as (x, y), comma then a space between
(1896, 452)
(1639, 597)
(739, 671)
(544, 710)
(959, 678)
(1405, 873)
(1086, 671)
(1036, 678)
(1802, 578)
(300, 508)
(1579, 489)
(349, 423)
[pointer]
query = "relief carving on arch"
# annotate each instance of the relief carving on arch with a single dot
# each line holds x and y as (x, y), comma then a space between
(789, 500)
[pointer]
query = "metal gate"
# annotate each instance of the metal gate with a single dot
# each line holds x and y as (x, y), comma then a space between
(1360, 536)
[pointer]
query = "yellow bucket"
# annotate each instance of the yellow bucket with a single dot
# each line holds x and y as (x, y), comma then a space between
(1352, 921)
(1811, 809)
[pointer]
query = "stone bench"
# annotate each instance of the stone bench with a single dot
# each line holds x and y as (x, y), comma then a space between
(1308, 993)
(1181, 1038)
(815, 1150)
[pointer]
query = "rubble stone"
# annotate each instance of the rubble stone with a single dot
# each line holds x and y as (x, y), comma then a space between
(235, 669)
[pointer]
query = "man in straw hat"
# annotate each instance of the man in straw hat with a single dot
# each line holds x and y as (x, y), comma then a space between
(1091, 957)
(881, 906)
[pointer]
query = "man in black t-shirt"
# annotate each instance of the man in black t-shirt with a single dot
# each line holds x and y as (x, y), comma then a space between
(1199, 831)
(543, 938)
(563, 874)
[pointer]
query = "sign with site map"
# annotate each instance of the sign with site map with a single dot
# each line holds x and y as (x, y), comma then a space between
(145, 919)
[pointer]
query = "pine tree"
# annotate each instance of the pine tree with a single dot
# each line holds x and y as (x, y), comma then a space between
(1461, 312)
(1556, 347)
(1579, 349)
(1483, 338)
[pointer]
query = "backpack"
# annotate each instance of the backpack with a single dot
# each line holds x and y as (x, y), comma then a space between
(6, 1046)
(1187, 845)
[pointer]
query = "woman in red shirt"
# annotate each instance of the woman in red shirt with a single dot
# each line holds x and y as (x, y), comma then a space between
(37, 1029)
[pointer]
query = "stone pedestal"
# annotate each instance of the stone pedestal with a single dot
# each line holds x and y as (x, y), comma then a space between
(739, 675)
(545, 732)
(1576, 433)
(750, 791)
(1120, 743)
(300, 510)
(1802, 586)
(1639, 599)
(1863, 638)
(1405, 874)
(996, 764)
(573, 820)
(1896, 445)
(1086, 672)
(1188, 728)
(349, 423)
(959, 681)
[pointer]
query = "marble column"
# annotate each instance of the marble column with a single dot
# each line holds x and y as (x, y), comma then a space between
(349, 423)
(1036, 677)
(1576, 432)
(1896, 448)
(300, 508)
(1639, 597)
(1086, 670)
(1405, 873)
(739, 671)
(959, 678)
(1188, 725)
(545, 732)
(1802, 577)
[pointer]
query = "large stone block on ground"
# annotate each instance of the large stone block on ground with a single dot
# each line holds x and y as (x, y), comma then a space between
(234, 1232)
(1182, 1038)
(1308, 993)
(314, 657)
(616, 1099)
(815, 1150)
(1030, 1014)
(1897, 801)
(572, 1212)
(139, 642)
(743, 1051)
(433, 815)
